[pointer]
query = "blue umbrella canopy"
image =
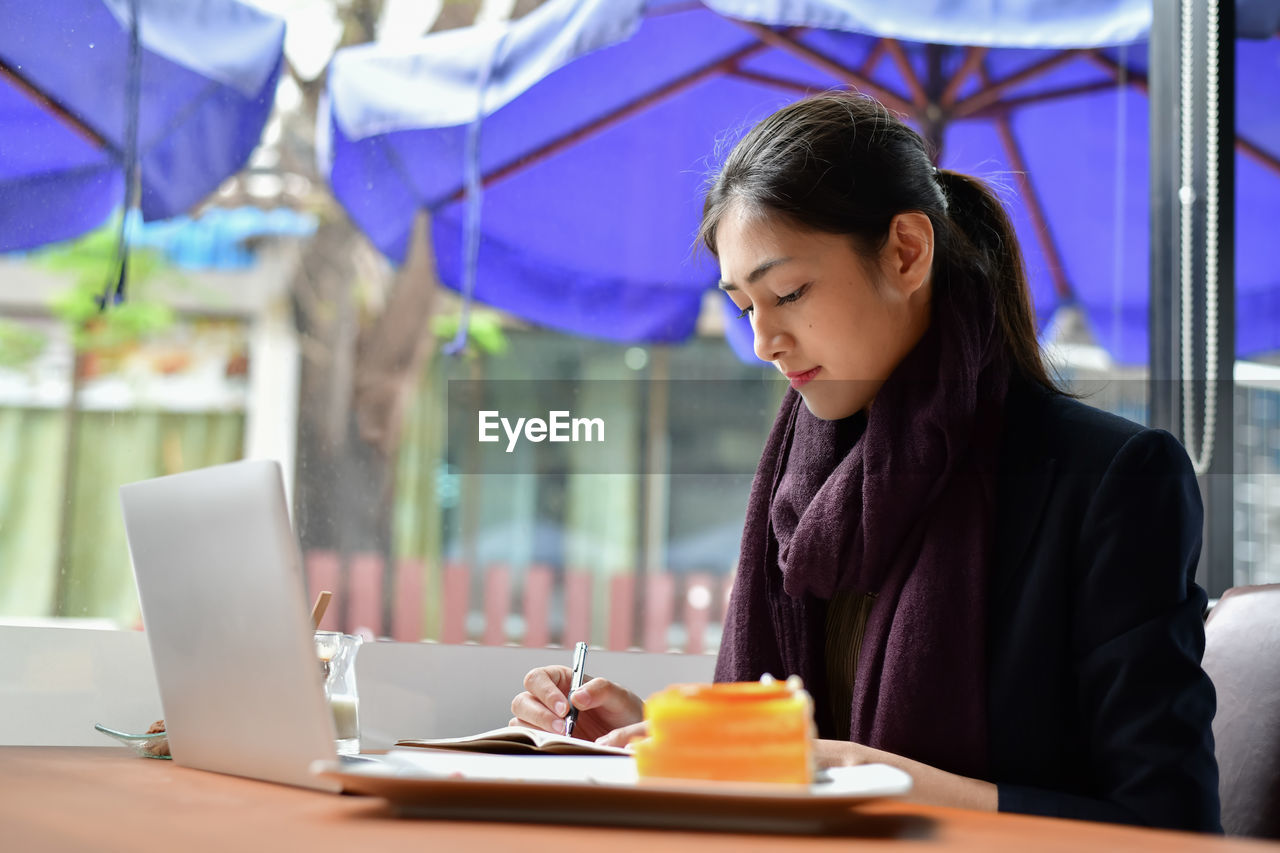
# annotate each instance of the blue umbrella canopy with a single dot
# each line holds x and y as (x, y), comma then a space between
(205, 74)
(582, 136)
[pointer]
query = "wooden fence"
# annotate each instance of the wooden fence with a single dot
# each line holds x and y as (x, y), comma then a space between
(638, 611)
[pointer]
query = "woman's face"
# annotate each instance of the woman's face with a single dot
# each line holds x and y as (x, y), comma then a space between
(816, 312)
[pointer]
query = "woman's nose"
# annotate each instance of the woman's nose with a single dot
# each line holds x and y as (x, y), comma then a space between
(771, 342)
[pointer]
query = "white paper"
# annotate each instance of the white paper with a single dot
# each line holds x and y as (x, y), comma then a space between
(600, 769)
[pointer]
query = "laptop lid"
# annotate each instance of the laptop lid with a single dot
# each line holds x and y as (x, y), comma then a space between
(224, 607)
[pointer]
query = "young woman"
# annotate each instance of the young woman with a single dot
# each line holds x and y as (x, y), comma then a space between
(980, 580)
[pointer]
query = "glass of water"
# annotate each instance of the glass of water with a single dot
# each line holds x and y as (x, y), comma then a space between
(337, 653)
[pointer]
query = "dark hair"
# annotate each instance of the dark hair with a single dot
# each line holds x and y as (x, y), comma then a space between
(841, 163)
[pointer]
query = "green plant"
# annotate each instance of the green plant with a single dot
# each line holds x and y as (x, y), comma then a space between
(19, 344)
(484, 333)
(92, 260)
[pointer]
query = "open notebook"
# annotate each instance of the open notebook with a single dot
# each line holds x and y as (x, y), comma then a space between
(517, 740)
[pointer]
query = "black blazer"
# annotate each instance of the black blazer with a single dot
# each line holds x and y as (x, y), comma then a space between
(1098, 707)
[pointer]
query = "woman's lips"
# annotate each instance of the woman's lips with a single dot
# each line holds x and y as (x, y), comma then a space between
(803, 378)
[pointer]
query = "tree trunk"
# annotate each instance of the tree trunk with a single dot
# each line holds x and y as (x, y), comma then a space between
(357, 369)
(353, 387)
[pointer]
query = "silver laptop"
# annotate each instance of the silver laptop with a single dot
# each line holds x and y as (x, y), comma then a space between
(223, 603)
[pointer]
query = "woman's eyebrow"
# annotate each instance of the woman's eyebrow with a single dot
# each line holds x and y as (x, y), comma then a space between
(756, 274)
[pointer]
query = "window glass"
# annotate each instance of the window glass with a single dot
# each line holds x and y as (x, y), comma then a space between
(1256, 455)
(82, 412)
(283, 343)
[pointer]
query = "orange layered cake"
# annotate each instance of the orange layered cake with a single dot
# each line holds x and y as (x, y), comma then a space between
(743, 732)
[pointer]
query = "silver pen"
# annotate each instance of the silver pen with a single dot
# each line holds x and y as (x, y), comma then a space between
(579, 672)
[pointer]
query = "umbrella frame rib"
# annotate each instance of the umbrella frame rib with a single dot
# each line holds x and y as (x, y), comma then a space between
(873, 58)
(1112, 67)
(1006, 106)
(1244, 145)
(783, 41)
(919, 98)
(728, 65)
(861, 78)
(973, 57)
(991, 92)
(771, 80)
(720, 66)
(55, 108)
(1249, 148)
(1032, 202)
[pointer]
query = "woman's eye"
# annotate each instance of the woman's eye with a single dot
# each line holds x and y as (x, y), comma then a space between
(793, 295)
(782, 300)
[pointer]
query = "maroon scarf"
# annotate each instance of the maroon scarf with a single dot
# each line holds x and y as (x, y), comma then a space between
(903, 509)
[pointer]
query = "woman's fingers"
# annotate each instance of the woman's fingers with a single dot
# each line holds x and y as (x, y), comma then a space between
(624, 735)
(516, 721)
(602, 705)
(615, 705)
(534, 713)
(550, 686)
(543, 703)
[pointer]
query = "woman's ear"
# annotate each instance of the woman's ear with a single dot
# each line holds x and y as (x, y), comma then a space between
(908, 253)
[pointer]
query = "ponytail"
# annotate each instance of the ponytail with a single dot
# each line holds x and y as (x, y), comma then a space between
(990, 248)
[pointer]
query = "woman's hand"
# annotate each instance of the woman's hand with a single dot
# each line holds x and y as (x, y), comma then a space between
(930, 785)
(839, 753)
(622, 737)
(604, 708)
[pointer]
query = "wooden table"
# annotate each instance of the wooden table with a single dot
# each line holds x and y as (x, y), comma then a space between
(104, 798)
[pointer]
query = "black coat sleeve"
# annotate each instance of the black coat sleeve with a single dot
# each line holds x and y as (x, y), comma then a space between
(1144, 704)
